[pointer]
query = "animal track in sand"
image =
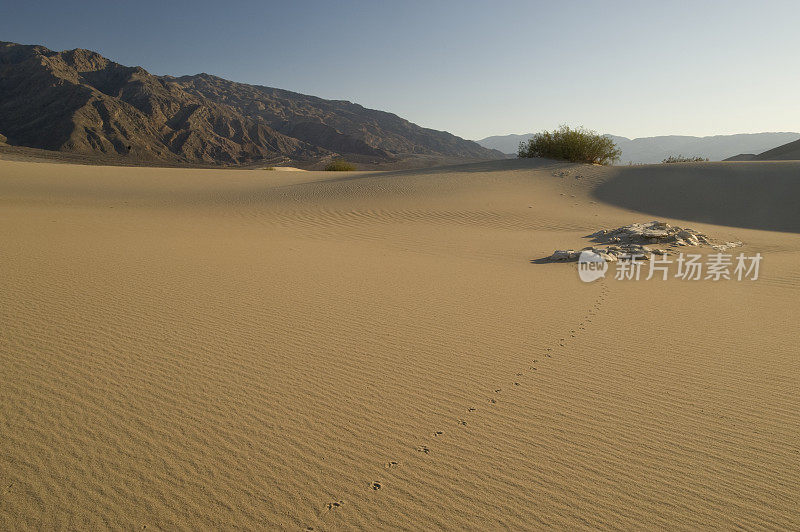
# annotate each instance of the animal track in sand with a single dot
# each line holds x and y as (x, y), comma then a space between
(334, 505)
(561, 342)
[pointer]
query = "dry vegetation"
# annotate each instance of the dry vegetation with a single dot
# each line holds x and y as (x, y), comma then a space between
(681, 159)
(576, 145)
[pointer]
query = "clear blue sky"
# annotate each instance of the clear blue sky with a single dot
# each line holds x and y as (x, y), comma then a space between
(632, 68)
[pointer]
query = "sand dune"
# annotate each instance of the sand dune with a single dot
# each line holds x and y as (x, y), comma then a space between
(760, 195)
(188, 348)
(789, 151)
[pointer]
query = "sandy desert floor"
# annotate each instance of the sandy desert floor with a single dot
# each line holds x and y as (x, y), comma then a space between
(185, 348)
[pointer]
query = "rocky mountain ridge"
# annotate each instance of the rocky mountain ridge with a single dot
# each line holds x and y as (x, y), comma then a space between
(81, 102)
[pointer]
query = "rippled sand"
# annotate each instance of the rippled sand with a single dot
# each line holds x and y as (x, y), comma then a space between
(218, 348)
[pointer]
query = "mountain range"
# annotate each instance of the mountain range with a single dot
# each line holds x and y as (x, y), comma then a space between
(80, 102)
(656, 149)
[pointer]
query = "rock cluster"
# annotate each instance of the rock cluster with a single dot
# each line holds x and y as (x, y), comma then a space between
(632, 241)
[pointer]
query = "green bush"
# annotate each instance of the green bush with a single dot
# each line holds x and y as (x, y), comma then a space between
(577, 145)
(682, 159)
(340, 166)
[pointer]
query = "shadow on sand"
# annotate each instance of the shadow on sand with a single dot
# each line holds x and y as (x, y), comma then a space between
(753, 195)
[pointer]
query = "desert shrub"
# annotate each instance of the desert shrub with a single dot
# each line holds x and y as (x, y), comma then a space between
(682, 159)
(340, 166)
(577, 145)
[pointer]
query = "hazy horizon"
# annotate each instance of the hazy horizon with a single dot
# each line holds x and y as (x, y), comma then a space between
(647, 136)
(622, 68)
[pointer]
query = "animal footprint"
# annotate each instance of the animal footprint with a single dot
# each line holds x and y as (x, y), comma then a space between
(423, 449)
(334, 505)
(471, 409)
(390, 465)
(375, 486)
(493, 401)
(437, 433)
(462, 422)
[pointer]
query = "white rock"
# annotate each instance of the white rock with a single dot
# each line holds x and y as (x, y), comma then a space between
(565, 254)
(654, 233)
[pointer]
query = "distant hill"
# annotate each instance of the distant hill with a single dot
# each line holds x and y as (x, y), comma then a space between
(504, 143)
(656, 149)
(742, 157)
(789, 151)
(78, 101)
